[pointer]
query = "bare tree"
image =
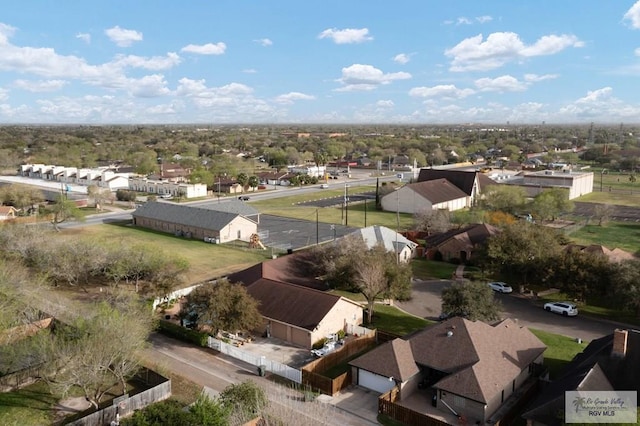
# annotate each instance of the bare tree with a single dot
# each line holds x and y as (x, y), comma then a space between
(433, 220)
(97, 353)
(603, 213)
(371, 278)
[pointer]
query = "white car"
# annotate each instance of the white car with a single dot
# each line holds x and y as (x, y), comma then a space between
(324, 186)
(500, 287)
(566, 309)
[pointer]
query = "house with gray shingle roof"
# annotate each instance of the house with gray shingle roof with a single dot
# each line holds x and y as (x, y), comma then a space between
(467, 368)
(388, 238)
(195, 222)
(425, 196)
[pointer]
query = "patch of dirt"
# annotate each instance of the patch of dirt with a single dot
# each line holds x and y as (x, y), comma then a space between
(69, 406)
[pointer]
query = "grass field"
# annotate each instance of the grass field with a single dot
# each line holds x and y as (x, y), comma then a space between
(622, 235)
(429, 269)
(29, 406)
(631, 199)
(289, 207)
(560, 350)
(393, 320)
(206, 261)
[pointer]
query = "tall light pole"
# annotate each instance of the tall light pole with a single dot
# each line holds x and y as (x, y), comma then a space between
(602, 172)
(346, 205)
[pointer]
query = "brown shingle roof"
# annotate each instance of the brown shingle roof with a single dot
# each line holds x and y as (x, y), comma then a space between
(437, 190)
(287, 269)
(392, 359)
(480, 359)
(292, 304)
(464, 180)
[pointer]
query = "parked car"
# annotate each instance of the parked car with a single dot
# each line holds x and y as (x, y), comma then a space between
(324, 186)
(500, 287)
(566, 309)
(243, 198)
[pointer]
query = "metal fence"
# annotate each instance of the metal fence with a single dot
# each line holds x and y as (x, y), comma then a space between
(272, 366)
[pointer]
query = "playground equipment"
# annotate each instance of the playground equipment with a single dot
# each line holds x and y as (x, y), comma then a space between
(254, 242)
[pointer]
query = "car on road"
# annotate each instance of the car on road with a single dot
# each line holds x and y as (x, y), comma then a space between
(324, 186)
(500, 287)
(566, 309)
(243, 198)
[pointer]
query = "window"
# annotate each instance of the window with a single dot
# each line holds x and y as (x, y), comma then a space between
(239, 234)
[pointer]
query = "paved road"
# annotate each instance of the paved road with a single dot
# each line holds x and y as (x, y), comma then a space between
(209, 369)
(427, 303)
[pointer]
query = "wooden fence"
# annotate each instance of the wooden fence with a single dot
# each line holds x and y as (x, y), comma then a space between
(124, 406)
(404, 415)
(20, 378)
(312, 372)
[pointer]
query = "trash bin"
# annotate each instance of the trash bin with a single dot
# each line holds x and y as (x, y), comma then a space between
(262, 370)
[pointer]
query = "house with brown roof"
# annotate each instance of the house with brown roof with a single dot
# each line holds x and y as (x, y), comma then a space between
(615, 255)
(470, 369)
(458, 243)
(471, 183)
(609, 363)
(419, 197)
(293, 305)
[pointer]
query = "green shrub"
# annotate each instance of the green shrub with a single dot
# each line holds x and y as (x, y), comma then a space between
(341, 334)
(319, 343)
(178, 332)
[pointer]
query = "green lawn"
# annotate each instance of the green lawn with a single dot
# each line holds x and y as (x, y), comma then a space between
(623, 235)
(205, 260)
(290, 207)
(560, 350)
(430, 269)
(29, 406)
(630, 198)
(393, 320)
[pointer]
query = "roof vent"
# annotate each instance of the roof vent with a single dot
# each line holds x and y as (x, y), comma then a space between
(449, 333)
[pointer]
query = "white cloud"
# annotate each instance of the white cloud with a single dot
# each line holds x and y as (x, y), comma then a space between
(449, 91)
(595, 96)
(153, 63)
(477, 54)
(40, 86)
(86, 37)
(637, 51)
(250, 71)
(367, 77)
(123, 37)
(346, 36)
(206, 49)
(6, 32)
(463, 20)
(505, 83)
(264, 42)
(402, 58)
(4, 94)
(291, 97)
(534, 78)
(599, 104)
(385, 103)
(198, 89)
(149, 86)
(633, 16)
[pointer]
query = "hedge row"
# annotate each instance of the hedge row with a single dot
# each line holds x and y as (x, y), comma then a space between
(178, 332)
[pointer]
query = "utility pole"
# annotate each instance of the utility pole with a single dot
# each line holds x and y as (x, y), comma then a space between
(317, 228)
(346, 205)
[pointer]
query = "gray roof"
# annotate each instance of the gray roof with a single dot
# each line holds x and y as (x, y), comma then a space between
(232, 206)
(390, 239)
(186, 215)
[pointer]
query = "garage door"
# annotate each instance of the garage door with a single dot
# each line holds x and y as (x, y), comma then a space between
(374, 382)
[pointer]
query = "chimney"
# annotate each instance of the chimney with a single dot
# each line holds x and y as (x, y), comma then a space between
(619, 349)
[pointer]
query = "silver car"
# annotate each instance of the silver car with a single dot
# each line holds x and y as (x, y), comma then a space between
(500, 287)
(566, 309)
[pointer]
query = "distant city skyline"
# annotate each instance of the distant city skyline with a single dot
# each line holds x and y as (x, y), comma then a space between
(320, 62)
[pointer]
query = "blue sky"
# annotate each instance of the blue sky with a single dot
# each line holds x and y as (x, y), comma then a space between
(348, 61)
